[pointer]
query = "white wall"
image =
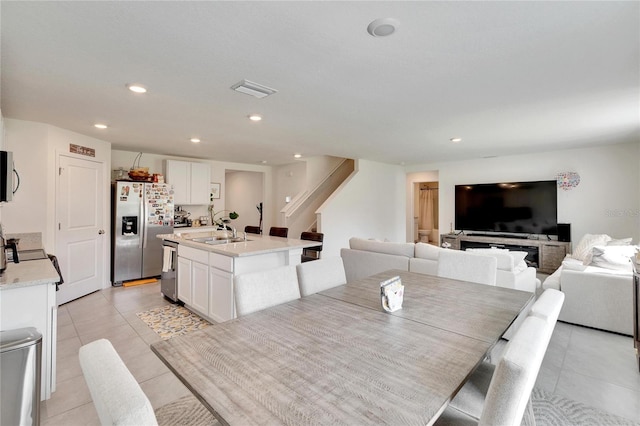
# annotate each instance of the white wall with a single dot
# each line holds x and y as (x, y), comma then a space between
(370, 204)
(607, 199)
(318, 168)
(244, 192)
(35, 148)
(289, 180)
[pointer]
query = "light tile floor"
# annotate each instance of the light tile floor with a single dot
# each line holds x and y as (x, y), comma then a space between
(593, 367)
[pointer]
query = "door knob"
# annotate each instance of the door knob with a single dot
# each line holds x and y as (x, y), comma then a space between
(100, 232)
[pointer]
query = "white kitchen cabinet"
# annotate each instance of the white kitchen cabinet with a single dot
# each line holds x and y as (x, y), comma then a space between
(28, 299)
(200, 183)
(184, 280)
(221, 299)
(191, 181)
(200, 286)
(193, 278)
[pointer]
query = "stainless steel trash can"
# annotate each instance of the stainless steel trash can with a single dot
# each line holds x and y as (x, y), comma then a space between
(20, 358)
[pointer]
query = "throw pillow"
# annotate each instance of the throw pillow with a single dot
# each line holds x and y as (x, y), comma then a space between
(573, 265)
(518, 256)
(587, 243)
(522, 266)
(613, 257)
(620, 242)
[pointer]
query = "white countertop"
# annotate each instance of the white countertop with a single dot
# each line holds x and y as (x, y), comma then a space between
(255, 244)
(28, 273)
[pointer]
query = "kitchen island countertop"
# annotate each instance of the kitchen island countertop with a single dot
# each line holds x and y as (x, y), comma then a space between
(255, 244)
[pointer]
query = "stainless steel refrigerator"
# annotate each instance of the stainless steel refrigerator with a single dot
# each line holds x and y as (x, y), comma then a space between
(141, 211)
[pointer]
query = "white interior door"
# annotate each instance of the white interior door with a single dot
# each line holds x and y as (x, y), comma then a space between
(80, 235)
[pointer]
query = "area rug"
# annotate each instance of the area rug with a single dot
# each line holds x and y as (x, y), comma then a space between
(186, 411)
(172, 320)
(554, 410)
(549, 410)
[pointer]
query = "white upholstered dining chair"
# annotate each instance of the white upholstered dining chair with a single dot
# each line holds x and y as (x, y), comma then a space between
(320, 275)
(470, 400)
(255, 291)
(461, 265)
(508, 395)
(547, 307)
(117, 396)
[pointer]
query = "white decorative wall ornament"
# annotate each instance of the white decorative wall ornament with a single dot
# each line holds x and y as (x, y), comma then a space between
(568, 180)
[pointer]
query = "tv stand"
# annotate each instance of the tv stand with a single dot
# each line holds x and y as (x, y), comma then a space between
(545, 255)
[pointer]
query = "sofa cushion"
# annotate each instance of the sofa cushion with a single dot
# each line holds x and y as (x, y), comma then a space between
(583, 248)
(620, 242)
(611, 257)
(427, 251)
(507, 260)
(398, 249)
(573, 264)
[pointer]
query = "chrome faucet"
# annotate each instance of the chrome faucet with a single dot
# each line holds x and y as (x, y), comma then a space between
(234, 232)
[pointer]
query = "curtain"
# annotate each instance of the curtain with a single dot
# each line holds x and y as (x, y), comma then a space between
(426, 210)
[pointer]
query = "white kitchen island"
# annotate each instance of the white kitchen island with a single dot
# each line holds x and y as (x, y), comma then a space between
(205, 272)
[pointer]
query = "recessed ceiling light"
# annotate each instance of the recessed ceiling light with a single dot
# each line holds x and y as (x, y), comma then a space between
(137, 88)
(100, 126)
(255, 117)
(297, 155)
(383, 27)
(456, 140)
(195, 140)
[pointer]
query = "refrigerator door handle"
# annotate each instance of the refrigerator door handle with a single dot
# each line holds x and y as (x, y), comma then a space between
(145, 221)
(142, 225)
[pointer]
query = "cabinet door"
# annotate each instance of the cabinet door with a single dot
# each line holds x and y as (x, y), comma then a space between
(200, 287)
(200, 183)
(184, 280)
(177, 173)
(552, 256)
(221, 303)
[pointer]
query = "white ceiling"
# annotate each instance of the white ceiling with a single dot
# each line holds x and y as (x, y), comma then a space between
(507, 77)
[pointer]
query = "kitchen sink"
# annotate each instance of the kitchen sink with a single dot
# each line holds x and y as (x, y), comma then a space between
(227, 241)
(218, 240)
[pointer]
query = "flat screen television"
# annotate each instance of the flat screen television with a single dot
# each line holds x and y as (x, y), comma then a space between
(509, 208)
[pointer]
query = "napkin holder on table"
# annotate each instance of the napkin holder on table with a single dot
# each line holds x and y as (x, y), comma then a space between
(391, 294)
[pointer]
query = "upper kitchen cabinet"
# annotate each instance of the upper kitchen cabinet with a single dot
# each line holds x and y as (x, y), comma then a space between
(191, 181)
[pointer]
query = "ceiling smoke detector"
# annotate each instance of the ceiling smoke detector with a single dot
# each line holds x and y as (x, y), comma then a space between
(383, 27)
(254, 89)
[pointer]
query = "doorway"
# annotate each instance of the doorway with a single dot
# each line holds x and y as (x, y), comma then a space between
(426, 205)
(80, 230)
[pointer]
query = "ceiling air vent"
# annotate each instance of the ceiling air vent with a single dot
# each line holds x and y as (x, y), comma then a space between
(253, 89)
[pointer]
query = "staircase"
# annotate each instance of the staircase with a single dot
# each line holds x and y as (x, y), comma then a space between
(300, 214)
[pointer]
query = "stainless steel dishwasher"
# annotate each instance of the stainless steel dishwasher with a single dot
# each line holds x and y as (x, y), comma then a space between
(20, 361)
(169, 275)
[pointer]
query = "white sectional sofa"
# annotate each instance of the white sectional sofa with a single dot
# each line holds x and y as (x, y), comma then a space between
(367, 257)
(595, 296)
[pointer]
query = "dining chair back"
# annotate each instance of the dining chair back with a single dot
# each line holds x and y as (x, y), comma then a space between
(548, 305)
(252, 229)
(276, 231)
(117, 396)
(255, 291)
(465, 266)
(320, 275)
(311, 253)
(501, 395)
(509, 393)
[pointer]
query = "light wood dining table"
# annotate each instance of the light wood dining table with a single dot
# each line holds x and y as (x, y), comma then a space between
(336, 357)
